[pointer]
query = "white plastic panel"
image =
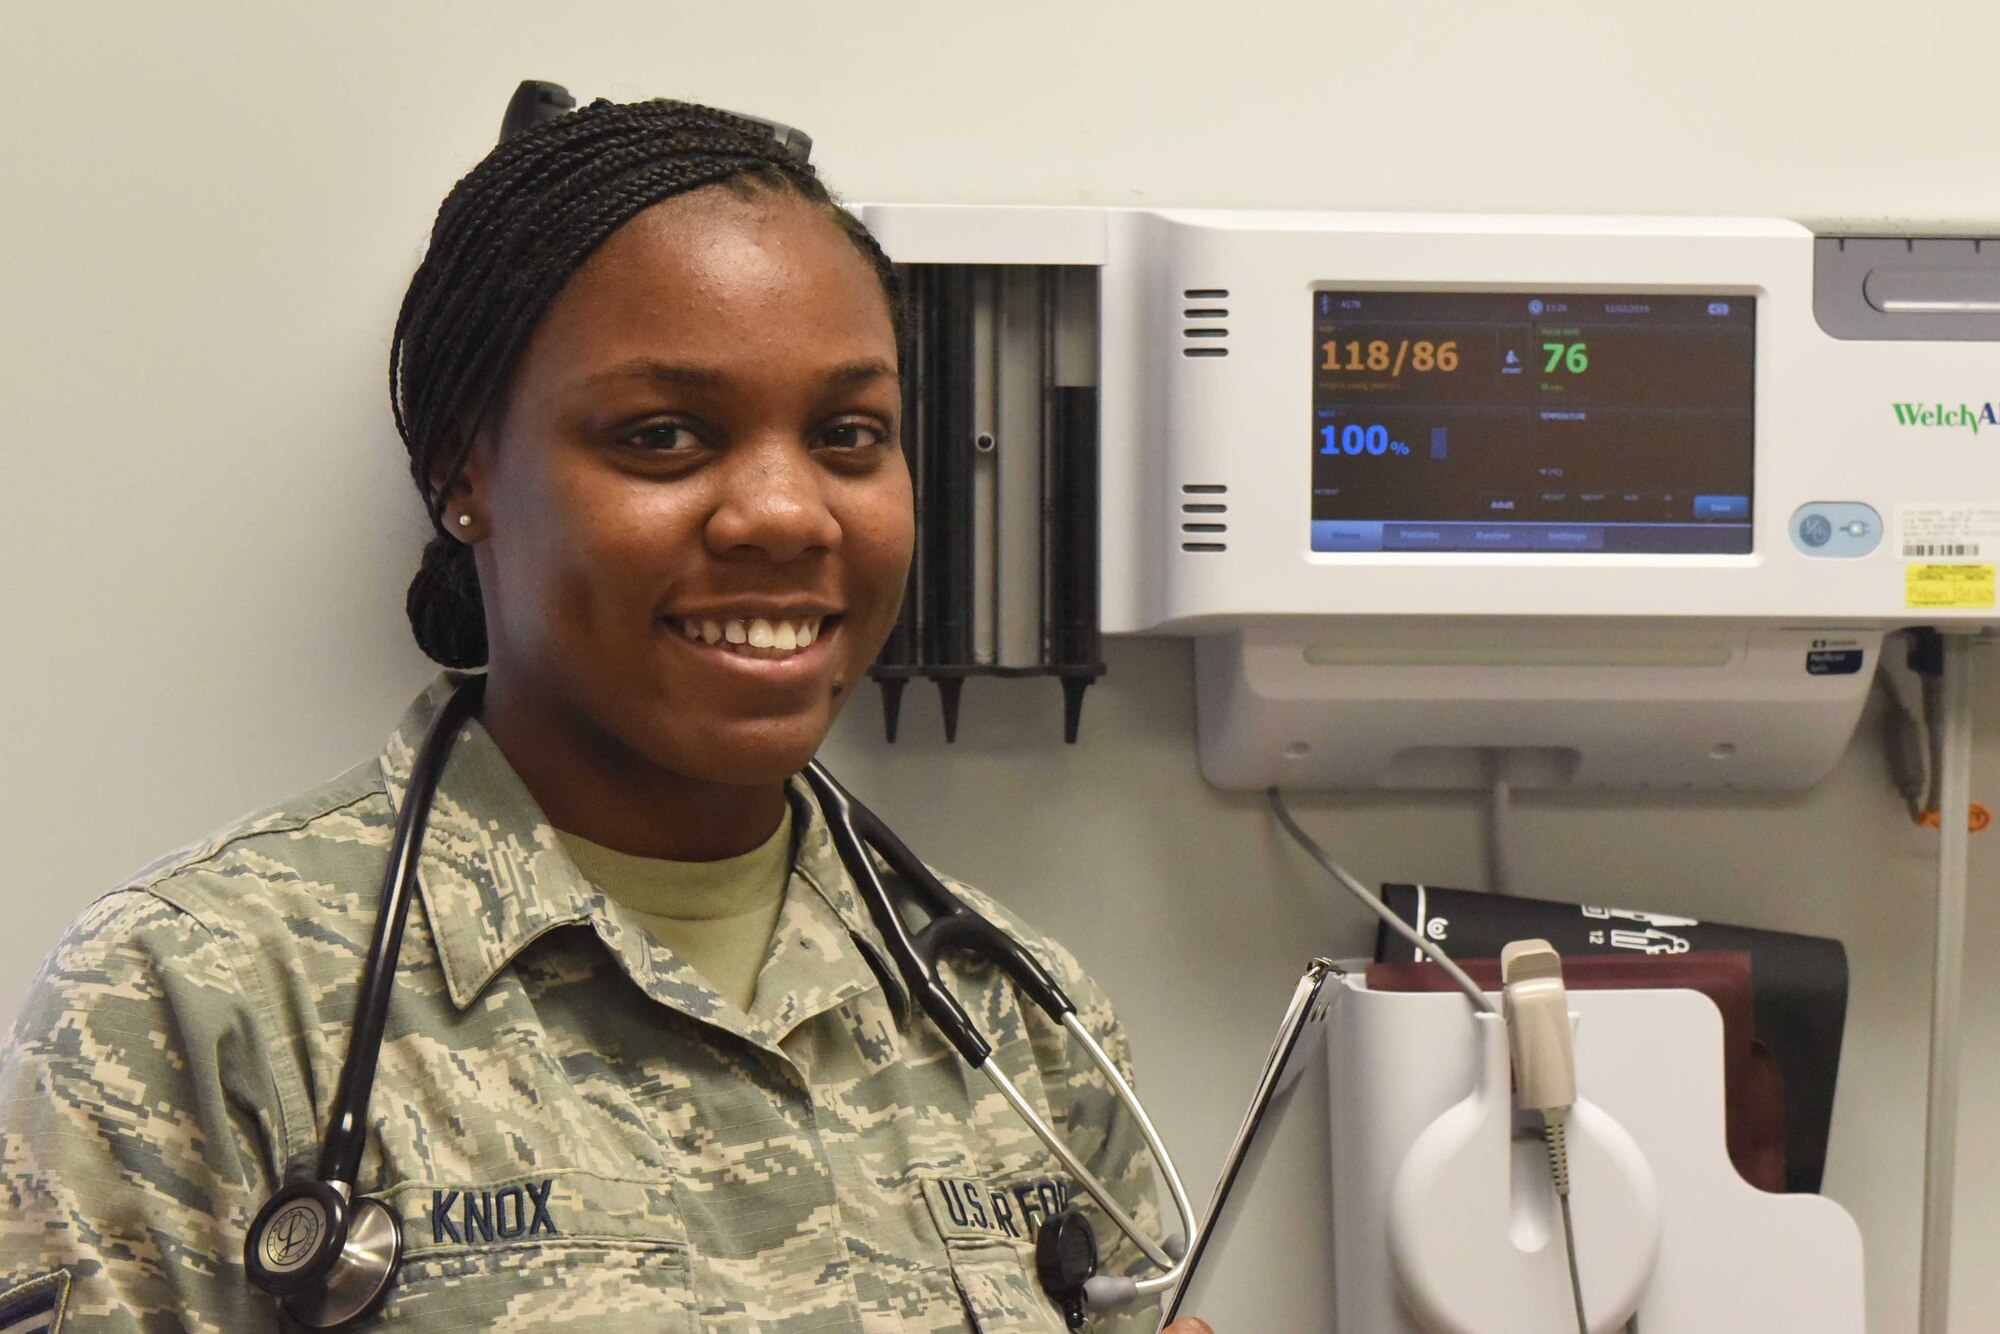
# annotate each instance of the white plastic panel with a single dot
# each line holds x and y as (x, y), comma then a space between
(1730, 1258)
(1356, 703)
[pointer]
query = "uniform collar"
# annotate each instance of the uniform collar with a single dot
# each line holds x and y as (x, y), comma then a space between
(494, 878)
(492, 875)
(818, 864)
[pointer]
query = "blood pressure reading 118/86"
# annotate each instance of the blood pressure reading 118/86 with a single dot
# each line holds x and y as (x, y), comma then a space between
(1533, 422)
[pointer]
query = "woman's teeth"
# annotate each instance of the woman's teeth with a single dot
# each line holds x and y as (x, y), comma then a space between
(756, 637)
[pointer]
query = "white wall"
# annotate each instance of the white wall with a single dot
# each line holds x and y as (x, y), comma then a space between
(207, 214)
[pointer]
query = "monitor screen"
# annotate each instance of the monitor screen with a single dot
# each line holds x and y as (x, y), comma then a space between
(1532, 422)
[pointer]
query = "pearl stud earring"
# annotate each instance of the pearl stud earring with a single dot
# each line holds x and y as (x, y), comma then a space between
(465, 521)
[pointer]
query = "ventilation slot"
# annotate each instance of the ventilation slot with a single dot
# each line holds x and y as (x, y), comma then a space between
(1202, 511)
(1203, 329)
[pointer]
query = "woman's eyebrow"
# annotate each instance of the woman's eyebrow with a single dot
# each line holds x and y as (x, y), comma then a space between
(645, 368)
(848, 373)
(860, 372)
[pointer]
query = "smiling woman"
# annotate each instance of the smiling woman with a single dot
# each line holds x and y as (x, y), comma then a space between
(703, 428)
(645, 1064)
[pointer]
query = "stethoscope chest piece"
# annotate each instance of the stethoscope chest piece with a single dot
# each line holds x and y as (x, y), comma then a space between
(331, 1263)
(360, 1276)
(1066, 1259)
(296, 1238)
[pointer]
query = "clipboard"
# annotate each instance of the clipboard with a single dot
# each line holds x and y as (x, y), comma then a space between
(1275, 1088)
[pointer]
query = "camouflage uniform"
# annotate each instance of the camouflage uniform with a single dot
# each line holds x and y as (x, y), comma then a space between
(576, 1131)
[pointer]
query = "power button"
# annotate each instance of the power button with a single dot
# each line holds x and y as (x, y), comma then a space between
(1836, 529)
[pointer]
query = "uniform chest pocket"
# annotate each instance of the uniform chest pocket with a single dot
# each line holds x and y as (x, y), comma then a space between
(569, 1251)
(988, 1230)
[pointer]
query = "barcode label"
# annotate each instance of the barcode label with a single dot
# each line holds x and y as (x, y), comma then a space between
(1947, 532)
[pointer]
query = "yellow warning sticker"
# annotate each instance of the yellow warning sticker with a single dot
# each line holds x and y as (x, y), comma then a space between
(1956, 587)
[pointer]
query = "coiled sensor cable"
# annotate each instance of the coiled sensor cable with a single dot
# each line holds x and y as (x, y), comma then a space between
(1544, 1068)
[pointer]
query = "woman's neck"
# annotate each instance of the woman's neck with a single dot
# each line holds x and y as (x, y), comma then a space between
(590, 784)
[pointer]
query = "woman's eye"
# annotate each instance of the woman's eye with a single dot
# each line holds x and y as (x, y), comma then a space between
(663, 437)
(853, 435)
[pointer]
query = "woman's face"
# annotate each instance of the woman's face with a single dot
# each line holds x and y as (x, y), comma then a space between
(699, 445)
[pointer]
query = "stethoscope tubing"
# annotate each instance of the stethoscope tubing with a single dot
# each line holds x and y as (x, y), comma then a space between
(340, 1158)
(1171, 1265)
(954, 925)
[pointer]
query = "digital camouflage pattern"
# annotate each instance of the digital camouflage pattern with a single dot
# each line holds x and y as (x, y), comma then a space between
(575, 1129)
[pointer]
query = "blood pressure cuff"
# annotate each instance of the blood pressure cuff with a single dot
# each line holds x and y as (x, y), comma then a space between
(1782, 1031)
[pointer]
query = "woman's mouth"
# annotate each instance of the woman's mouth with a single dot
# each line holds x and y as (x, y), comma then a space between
(755, 636)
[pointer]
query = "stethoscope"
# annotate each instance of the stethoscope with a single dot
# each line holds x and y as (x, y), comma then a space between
(331, 1256)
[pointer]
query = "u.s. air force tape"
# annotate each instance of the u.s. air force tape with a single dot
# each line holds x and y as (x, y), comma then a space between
(969, 1210)
(37, 1306)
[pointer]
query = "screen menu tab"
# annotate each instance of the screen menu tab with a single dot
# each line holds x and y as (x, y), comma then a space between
(1533, 422)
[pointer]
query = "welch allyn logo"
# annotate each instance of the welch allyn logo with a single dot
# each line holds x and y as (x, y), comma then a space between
(1963, 416)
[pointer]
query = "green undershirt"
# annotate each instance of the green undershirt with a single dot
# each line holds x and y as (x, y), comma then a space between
(717, 916)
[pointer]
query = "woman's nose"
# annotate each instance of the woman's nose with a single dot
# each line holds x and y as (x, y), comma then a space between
(773, 502)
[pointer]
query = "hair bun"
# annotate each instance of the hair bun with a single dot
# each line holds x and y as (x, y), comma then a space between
(445, 610)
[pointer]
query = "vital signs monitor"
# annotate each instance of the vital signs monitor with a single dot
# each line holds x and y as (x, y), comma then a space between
(1558, 501)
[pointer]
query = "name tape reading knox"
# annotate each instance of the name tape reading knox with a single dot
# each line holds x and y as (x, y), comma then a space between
(466, 1216)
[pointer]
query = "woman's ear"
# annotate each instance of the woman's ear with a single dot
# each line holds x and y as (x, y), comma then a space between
(458, 480)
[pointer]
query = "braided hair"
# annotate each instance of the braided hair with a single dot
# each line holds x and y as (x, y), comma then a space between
(507, 238)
